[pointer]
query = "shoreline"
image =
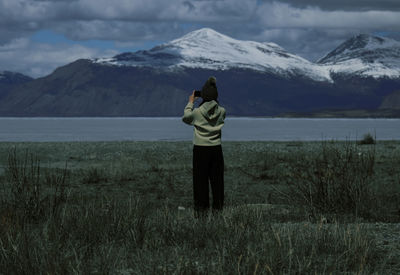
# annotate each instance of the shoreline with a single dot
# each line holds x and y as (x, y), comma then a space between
(179, 117)
(226, 142)
(172, 129)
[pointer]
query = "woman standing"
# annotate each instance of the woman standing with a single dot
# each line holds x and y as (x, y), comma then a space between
(208, 160)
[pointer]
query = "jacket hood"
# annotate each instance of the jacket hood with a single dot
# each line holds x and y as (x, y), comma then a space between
(210, 110)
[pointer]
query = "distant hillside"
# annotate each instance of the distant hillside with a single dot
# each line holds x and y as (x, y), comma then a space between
(9, 80)
(354, 113)
(391, 101)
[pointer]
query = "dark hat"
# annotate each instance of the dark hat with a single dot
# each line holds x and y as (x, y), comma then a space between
(209, 91)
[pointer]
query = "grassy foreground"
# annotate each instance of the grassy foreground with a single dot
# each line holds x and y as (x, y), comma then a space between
(125, 208)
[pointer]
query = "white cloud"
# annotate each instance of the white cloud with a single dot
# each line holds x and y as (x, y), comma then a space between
(39, 59)
(309, 43)
(355, 5)
(280, 15)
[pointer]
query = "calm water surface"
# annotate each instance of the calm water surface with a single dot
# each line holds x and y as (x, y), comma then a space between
(153, 129)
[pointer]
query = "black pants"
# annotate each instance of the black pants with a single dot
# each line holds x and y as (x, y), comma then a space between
(208, 169)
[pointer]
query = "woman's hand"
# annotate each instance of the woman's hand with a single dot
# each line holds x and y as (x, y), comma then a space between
(192, 98)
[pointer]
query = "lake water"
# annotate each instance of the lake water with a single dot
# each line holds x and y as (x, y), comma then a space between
(173, 129)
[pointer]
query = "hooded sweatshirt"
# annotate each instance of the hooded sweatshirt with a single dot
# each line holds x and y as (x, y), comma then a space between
(207, 120)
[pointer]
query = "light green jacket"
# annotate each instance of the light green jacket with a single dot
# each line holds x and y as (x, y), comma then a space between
(207, 120)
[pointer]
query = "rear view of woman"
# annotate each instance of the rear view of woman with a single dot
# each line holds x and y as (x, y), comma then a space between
(208, 160)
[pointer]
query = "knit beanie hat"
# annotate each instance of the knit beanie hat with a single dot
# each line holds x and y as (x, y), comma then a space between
(209, 91)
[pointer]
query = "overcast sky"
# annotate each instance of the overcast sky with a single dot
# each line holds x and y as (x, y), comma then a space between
(36, 36)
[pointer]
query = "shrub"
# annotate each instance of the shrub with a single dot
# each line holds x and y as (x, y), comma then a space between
(367, 139)
(335, 179)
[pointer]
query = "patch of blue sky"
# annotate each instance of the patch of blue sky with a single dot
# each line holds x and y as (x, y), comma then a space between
(381, 33)
(50, 37)
(387, 34)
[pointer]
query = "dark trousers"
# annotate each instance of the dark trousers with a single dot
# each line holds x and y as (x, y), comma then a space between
(208, 170)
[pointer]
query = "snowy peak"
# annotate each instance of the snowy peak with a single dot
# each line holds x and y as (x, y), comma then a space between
(365, 56)
(354, 43)
(203, 34)
(208, 49)
(364, 46)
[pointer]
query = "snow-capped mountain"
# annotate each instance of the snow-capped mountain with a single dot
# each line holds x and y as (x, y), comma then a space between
(362, 55)
(254, 79)
(365, 55)
(208, 49)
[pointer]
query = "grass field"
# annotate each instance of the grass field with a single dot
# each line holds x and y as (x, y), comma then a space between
(126, 208)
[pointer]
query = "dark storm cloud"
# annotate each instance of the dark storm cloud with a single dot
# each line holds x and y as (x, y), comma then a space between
(121, 31)
(122, 20)
(20, 17)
